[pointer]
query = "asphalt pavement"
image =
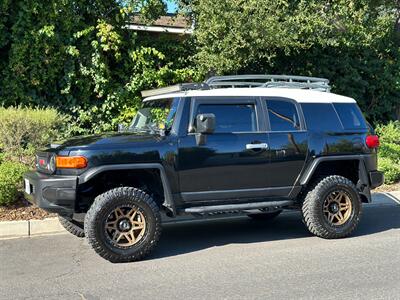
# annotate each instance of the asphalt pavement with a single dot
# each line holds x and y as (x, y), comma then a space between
(232, 258)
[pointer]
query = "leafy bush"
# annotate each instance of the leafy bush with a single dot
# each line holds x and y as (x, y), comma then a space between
(85, 62)
(349, 42)
(389, 133)
(390, 168)
(24, 130)
(10, 181)
(389, 152)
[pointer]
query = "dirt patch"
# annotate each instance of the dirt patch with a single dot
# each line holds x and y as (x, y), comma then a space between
(388, 187)
(23, 210)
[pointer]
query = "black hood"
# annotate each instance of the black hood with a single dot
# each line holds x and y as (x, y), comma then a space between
(106, 139)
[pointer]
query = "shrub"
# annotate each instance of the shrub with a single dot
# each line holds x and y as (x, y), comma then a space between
(389, 152)
(390, 168)
(23, 130)
(389, 133)
(10, 181)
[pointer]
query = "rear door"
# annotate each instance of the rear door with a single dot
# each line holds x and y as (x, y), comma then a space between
(288, 143)
(234, 161)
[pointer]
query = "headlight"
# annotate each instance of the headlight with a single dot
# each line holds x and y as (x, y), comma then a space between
(45, 162)
(51, 166)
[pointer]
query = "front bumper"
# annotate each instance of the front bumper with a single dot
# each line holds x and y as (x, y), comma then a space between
(53, 193)
(376, 178)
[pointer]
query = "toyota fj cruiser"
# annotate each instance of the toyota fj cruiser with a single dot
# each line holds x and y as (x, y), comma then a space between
(252, 144)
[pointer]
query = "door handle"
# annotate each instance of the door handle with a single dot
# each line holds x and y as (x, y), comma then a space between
(257, 146)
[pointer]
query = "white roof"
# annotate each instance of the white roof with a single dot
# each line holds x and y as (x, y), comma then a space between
(299, 95)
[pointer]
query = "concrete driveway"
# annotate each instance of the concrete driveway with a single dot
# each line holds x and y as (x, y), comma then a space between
(233, 258)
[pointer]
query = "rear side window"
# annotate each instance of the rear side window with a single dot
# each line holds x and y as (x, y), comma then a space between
(231, 117)
(350, 115)
(321, 117)
(282, 115)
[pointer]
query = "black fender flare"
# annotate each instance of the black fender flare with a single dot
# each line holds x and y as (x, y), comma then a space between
(168, 200)
(363, 185)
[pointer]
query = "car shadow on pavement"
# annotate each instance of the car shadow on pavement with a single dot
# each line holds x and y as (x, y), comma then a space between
(187, 237)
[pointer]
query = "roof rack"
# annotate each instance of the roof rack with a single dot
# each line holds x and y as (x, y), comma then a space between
(256, 81)
(175, 88)
(267, 81)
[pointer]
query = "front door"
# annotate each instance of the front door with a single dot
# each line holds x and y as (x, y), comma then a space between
(234, 160)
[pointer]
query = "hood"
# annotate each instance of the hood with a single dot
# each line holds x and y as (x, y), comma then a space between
(106, 139)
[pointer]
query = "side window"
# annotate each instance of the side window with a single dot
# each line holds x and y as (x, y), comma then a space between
(350, 115)
(321, 117)
(231, 117)
(282, 115)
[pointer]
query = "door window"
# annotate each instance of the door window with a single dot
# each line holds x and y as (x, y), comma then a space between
(282, 115)
(231, 117)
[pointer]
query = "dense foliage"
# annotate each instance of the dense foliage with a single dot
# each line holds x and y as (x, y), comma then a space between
(389, 151)
(79, 57)
(23, 130)
(354, 43)
(10, 181)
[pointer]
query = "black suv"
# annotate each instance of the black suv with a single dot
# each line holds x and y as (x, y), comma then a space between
(251, 144)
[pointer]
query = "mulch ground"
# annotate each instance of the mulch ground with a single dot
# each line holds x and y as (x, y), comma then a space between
(388, 187)
(23, 210)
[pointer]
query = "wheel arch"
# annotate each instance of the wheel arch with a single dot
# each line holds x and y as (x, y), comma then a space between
(96, 171)
(338, 165)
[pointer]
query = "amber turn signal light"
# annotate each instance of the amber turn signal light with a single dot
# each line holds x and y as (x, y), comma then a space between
(71, 162)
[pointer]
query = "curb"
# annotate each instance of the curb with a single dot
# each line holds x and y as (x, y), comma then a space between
(14, 229)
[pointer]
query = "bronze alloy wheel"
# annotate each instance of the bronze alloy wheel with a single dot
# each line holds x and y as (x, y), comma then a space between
(125, 226)
(337, 208)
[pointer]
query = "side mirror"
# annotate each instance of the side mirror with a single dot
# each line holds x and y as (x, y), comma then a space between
(205, 124)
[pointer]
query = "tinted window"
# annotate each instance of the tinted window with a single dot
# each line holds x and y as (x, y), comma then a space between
(350, 115)
(282, 115)
(231, 117)
(321, 117)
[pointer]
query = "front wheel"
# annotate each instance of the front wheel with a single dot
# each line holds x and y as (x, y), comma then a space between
(72, 226)
(123, 224)
(332, 208)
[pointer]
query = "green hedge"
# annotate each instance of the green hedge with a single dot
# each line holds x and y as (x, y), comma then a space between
(24, 130)
(10, 181)
(389, 152)
(81, 59)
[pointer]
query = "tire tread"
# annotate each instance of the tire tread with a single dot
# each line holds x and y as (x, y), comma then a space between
(310, 214)
(99, 204)
(72, 227)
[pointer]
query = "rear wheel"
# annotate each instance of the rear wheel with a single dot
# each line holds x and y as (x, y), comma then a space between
(72, 226)
(123, 224)
(265, 216)
(332, 208)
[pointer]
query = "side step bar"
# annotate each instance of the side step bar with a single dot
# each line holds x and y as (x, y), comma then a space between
(237, 207)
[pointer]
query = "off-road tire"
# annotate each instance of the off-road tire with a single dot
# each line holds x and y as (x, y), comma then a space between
(312, 208)
(72, 226)
(265, 216)
(104, 204)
